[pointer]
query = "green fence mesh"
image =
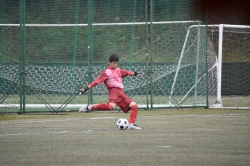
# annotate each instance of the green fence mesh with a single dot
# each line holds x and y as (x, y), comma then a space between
(51, 49)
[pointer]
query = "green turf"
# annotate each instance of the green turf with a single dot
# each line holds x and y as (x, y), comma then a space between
(168, 137)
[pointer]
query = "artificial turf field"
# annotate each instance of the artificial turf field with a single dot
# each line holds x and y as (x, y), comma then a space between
(168, 137)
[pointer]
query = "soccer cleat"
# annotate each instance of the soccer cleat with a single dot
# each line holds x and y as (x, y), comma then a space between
(134, 127)
(85, 108)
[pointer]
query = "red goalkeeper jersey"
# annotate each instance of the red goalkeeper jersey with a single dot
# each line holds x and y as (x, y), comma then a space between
(112, 78)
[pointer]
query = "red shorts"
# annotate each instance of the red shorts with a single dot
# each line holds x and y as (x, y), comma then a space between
(118, 96)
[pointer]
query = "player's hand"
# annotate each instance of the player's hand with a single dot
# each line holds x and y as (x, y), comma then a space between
(138, 74)
(83, 90)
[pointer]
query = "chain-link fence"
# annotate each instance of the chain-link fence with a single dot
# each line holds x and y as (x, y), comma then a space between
(51, 49)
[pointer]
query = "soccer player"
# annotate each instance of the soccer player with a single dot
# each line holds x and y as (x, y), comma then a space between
(112, 78)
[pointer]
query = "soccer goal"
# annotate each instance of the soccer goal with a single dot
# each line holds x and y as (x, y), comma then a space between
(228, 74)
(233, 72)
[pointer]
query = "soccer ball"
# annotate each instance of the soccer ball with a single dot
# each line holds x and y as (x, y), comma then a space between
(122, 124)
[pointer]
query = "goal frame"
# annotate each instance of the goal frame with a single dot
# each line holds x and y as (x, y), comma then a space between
(221, 27)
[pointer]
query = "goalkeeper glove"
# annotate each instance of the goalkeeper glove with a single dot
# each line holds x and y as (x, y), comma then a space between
(82, 91)
(139, 74)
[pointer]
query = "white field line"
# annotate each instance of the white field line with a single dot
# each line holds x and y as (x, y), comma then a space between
(38, 121)
(163, 146)
(51, 120)
(58, 132)
(18, 134)
(198, 116)
(96, 118)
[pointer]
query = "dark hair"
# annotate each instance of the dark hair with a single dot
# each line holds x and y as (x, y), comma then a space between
(113, 57)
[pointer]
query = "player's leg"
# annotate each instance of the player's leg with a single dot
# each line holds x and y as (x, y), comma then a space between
(113, 98)
(133, 116)
(134, 111)
(100, 107)
(126, 105)
(104, 106)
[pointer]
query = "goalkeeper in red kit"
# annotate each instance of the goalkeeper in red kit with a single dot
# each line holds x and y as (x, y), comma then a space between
(112, 78)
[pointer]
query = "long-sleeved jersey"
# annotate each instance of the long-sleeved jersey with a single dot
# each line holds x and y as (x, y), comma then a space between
(112, 78)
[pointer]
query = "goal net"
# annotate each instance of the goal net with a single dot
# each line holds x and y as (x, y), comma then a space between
(232, 43)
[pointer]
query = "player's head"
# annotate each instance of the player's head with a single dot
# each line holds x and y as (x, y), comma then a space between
(113, 61)
(113, 58)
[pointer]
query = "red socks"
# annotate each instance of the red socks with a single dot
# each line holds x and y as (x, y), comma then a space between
(102, 107)
(133, 114)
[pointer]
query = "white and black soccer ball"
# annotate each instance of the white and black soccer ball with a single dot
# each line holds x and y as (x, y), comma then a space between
(122, 124)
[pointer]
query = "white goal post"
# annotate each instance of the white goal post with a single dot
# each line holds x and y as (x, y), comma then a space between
(219, 103)
(233, 30)
(221, 27)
